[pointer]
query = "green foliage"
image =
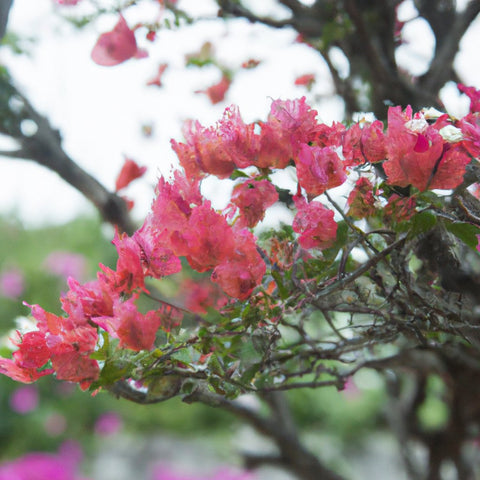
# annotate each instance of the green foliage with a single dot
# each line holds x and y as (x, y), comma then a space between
(466, 232)
(27, 250)
(343, 415)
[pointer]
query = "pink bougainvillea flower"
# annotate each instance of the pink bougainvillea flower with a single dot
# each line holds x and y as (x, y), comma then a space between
(242, 271)
(295, 118)
(234, 144)
(470, 128)
(117, 46)
(24, 399)
(207, 241)
(306, 80)
(200, 295)
(33, 351)
(205, 152)
(173, 204)
(66, 264)
(274, 147)
(373, 142)
(329, 135)
(361, 200)
(147, 253)
(68, 341)
(157, 259)
(68, 3)
(88, 300)
(399, 209)
(314, 223)
(473, 94)
(72, 367)
(108, 423)
(157, 79)
(135, 330)
(216, 93)
(361, 144)
(319, 169)
(9, 368)
(128, 275)
(253, 197)
(352, 146)
(40, 466)
(418, 155)
(250, 63)
(151, 35)
(129, 172)
(451, 168)
(290, 124)
(12, 283)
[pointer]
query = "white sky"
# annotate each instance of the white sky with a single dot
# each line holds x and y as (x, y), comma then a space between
(100, 110)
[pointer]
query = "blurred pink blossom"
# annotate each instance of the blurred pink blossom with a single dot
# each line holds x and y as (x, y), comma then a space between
(350, 389)
(66, 264)
(108, 424)
(11, 283)
(24, 399)
(66, 2)
(55, 424)
(45, 466)
(164, 473)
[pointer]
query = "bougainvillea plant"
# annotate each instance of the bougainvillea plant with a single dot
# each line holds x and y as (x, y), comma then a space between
(336, 258)
(377, 266)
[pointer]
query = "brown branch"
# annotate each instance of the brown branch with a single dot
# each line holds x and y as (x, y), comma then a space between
(340, 284)
(374, 56)
(442, 64)
(292, 454)
(304, 20)
(238, 10)
(45, 148)
(343, 87)
(5, 6)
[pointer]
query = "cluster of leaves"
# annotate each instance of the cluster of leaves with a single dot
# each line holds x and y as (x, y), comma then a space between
(291, 309)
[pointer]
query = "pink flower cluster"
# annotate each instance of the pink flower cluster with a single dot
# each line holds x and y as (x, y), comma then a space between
(182, 223)
(12, 283)
(43, 466)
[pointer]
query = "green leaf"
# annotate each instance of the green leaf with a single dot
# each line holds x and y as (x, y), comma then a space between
(282, 290)
(113, 371)
(184, 355)
(466, 232)
(215, 366)
(422, 222)
(238, 174)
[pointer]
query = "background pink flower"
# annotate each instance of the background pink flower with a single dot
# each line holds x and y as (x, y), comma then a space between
(66, 264)
(43, 466)
(11, 283)
(109, 423)
(24, 399)
(165, 473)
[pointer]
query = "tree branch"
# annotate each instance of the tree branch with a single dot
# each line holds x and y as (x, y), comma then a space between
(440, 70)
(292, 454)
(5, 6)
(45, 147)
